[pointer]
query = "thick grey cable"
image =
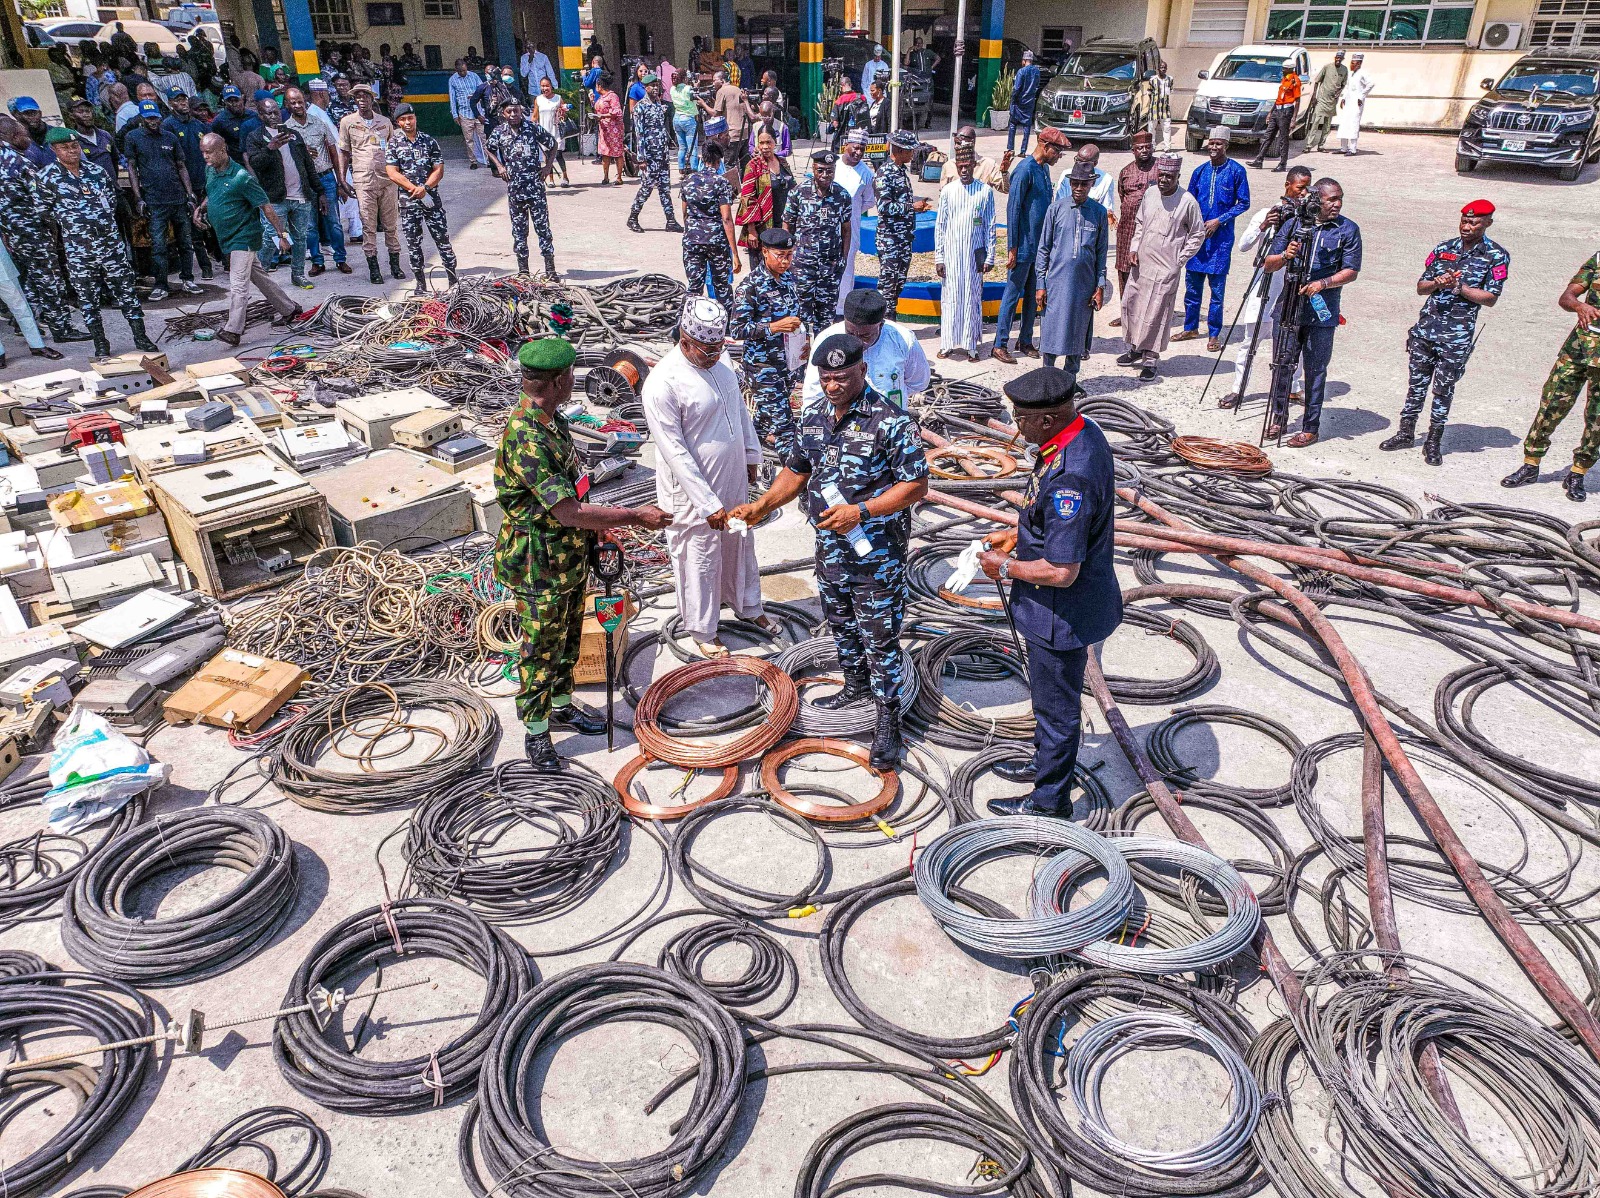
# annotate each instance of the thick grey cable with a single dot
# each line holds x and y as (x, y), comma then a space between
(819, 652)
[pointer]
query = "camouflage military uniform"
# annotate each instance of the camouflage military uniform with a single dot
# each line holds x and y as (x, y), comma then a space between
(542, 562)
(760, 300)
(85, 208)
(816, 221)
(655, 167)
(32, 242)
(864, 599)
(522, 152)
(1577, 363)
(416, 160)
(705, 241)
(897, 231)
(1441, 340)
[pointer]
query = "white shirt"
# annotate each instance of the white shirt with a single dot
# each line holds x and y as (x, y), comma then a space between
(549, 110)
(871, 71)
(896, 366)
(1102, 192)
(705, 440)
(537, 66)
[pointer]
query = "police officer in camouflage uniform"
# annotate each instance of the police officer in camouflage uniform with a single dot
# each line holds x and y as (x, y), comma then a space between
(83, 202)
(818, 214)
(416, 164)
(1461, 276)
(709, 247)
(857, 446)
(517, 151)
(541, 552)
(766, 310)
(897, 218)
(1577, 365)
(33, 245)
(651, 123)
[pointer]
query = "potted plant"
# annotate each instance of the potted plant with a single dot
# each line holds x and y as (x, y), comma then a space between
(1000, 99)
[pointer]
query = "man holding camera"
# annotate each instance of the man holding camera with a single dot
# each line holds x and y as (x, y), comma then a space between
(1321, 250)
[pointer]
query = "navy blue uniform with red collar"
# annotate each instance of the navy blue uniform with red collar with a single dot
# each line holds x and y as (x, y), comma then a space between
(1068, 520)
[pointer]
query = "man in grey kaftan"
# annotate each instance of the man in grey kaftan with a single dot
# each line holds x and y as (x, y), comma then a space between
(1071, 268)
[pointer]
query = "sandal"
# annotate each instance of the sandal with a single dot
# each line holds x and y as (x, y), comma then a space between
(712, 650)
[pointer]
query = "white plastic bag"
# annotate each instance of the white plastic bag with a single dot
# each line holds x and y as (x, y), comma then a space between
(94, 771)
(350, 218)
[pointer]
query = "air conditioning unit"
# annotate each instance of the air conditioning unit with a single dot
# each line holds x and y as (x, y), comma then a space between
(1501, 35)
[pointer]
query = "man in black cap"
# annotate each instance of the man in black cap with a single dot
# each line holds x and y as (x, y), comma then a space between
(897, 367)
(1058, 563)
(766, 317)
(1070, 263)
(818, 215)
(897, 218)
(860, 462)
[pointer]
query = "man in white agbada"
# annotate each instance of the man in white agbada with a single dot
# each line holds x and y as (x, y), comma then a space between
(963, 247)
(897, 368)
(1296, 184)
(707, 453)
(1351, 102)
(1168, 231)
(854, 173)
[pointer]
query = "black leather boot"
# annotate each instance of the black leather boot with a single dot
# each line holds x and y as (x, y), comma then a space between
(585, 721)
(374, 269)
(66, 332)
(550, 265)
(857, 687)
(673, 226)
(1524, 474)
(1432, 448)
(394, 266)
(102, 345)
(522, 265)
(542, 753)
(1572, 484)
(887, 747)
(1404, 437)
(141, 340)
(633, 221)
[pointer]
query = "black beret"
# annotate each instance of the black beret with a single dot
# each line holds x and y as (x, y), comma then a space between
(824, 157)
(777, 239)
(837, 352)
(864, 306)
(1046, 387)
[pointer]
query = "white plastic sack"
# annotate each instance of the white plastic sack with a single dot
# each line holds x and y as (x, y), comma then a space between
(350, 218)
(94, 771)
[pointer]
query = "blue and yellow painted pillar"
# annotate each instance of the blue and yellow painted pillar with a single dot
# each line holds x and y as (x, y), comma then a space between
(810, 60)
(723, 26)
(302, 56)
(992, 40)
(569, 43)
(505, 42)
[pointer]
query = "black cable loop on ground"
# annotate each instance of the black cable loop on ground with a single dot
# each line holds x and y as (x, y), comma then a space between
(246, 1134)
(18, 963)
(937, 718)
(327, 1069)
(101, 1088)
(1201, 677)
(1162, 746)
(691, 873)
(39, 868)
(101, 933)
(1092, 805)
(502, 1147)
(771, 972)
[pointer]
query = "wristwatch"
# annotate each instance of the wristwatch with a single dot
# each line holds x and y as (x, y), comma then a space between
(1005, 568)
(865, 514)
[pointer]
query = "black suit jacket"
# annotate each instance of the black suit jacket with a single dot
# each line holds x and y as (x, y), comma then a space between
(266, 164)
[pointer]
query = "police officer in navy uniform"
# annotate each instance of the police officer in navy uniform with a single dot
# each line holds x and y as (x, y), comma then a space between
(1058, 564)
(866, 453)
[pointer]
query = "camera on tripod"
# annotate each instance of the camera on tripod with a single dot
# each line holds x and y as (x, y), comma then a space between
(1307, 211)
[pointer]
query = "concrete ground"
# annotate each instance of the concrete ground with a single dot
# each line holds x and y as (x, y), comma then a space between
(1404, 194)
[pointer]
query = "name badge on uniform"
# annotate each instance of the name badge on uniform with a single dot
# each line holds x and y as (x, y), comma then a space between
(1067, 502)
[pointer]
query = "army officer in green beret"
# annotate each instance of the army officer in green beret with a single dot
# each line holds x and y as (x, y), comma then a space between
(542, 552)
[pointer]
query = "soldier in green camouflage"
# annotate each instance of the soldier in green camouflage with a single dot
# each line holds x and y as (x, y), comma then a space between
(542, 553)
(1576, 365)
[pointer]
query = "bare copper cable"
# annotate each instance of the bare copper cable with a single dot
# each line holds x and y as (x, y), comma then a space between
(1232, 457)
(824, 812)
(675, 751)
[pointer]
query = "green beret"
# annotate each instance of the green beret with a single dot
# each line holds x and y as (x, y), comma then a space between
(547, 353)
(58, 134)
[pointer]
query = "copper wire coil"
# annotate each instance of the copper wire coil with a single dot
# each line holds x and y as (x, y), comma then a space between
(822, 812)
(1005, 465)
(210, 1183)
(1235, 457)
(755, 742)
(644, 809)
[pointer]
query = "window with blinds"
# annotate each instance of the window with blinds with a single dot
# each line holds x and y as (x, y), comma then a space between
(1564, 24)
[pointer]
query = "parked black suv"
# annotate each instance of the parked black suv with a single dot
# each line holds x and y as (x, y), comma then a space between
(1102, 91)
(1541, 113)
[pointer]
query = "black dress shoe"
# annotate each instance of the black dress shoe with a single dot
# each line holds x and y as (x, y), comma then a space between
(541, 751)
(1524, 474)
(44, 351)
(1016, 771)
(1024, 806)
(585, 721)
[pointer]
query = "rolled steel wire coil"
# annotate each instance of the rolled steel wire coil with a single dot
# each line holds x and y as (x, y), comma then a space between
(1208, 951)
(950, 857)
(657, 744)
(820, 653)
(1225, 457)
(841, 918)
(100, 1089)
(248, 1133)
(1104, 1043)
(503, 1146)
(101, 933)
(326, 1069)
(467, 841)
(375, 713)
(1092, 808)
(1163, 749)
(770, 974)
(40, 867)
(1068, 1143)
(941, 720)
(1200, 677)
(1157, 928)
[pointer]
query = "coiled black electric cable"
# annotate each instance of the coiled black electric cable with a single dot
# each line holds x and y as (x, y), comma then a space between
(248, 1133)
(18, 963)
(771, 972)
(1091, 805)
(1163, 749)
(1200, 677)
(100, 931)
(327, 1070)
(39, 868)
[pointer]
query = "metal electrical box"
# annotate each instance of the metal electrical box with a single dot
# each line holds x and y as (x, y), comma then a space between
(394, 498)
(424, 430)
(372, 417)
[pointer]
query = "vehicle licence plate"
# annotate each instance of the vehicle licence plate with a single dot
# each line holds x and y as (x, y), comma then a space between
(1515, 146)
(1230, 118)
(1077, 116)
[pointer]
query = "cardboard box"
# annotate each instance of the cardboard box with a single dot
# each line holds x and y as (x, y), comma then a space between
(235, 690)
(203, 370)
(591, 667)
(100, 505)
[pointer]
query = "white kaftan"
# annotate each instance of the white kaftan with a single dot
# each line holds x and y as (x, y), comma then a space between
(862, 185)
(1351, 102)
(705, 442)
(964, 228)
(1168, 231)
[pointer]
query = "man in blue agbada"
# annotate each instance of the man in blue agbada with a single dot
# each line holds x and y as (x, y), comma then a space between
(1222, 188)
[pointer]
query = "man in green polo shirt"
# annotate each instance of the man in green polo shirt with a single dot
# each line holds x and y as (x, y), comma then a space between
(542, 552)
(234, 206)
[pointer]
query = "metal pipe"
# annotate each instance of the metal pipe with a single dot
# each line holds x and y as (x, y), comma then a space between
(955, 87)
(894, 71)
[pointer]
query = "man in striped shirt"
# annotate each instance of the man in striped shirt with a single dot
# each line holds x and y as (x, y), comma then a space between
(1280, 121)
